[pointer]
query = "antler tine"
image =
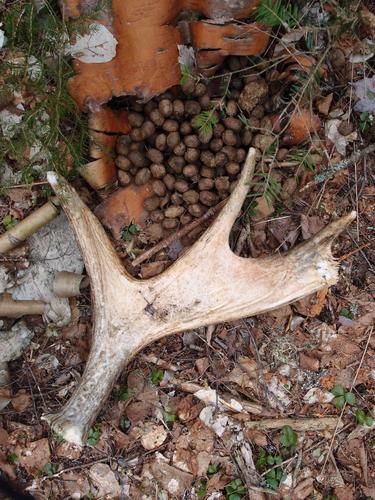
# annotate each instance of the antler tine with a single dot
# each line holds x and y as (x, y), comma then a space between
(96, 249)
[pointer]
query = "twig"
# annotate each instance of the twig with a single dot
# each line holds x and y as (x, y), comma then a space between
(342, 165)
(179, 234)
(339, 420)
(298, 424)
(365, 245)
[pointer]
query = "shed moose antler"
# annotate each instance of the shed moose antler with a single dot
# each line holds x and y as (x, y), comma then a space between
(207, 285)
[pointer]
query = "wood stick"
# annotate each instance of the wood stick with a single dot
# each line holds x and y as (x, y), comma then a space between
(298, 424)
(178, 234)
(10, 308)
(21, 231)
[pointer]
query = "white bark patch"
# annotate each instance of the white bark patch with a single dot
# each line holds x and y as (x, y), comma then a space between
(95, 47)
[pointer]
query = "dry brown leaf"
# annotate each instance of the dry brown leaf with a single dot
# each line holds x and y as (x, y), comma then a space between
(154, 436)
(34, 456)
(21, 401)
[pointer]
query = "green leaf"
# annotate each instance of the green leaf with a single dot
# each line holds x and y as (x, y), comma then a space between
(129, 231)
(234, 496)
(124, 424)
(361, 416)
(262, 457)
(338, 390)
(368, 421)
(339, 402)
(346, 313)
(288, 437)
(168, 417)
(13, 458)
(93, 436)
(156, 376)
(49, 469)
(201, 489)
(185, 74)
(272, 483)
(9, 221)
(350, 398)
(212, 469)
(205, 121)
(273, 13)
(123, 394)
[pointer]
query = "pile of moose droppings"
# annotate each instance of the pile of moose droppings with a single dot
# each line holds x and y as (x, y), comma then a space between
(191, 142)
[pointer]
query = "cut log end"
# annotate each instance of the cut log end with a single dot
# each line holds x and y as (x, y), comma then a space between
(70, 429)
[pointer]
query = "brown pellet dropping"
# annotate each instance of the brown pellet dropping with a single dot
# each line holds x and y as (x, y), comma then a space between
(157, 170)
(205, 184)
(207, 172)
(148, 129)
(188, 87)
(176, 199)
(157, 118)
(165, 201)
(179, 149)
(191, 155)
(176, 163)
(190, 197)
(181, 186)
(192, 108)
(173, 138)
(174, 211)
(263, 142)
(229, 138)
(166, 107)
(169, 181)
(208, 159)
(122, 148)
(142, 176)
(246, 137)
(258, 111)
(231, 152)
(205, 102)
(133, 170)
(154, 232)
(170, 125)
(137, 107)
(135, 146)
(157, 215)
(154, 155)
(220, 159)
(185, 128)
(185, 219)
(222, 184)
(195, 210)
(205, 136)
(241, 155)
(124, 178)
(137, 159)
(233, 124)
(135, 120)
(123, 163)
(170, 223)
(136, 134)
(151, 203)
(161, 142)
(216, 145)
(191, 141)
(232, 168)
(178, 108)
(253, 122)
(282, 153)
(159, 187)
(190, 170)
(208, 198)
(218, 130)
(200, 89)
(231, 108)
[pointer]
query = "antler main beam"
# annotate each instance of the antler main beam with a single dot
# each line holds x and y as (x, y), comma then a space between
(208, 285)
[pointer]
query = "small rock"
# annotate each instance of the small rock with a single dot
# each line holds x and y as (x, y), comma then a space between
(104, 481)
(345, 128)
(154, 436)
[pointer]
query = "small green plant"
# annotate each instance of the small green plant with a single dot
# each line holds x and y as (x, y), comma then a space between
(275, 13)
(274, 476)
(346, 313)
(168, 417)
(51, 331)
(13, 458)
(288, 437)
(212, 469)
(49, 469)
(269, 187)
(9, 221)
(57, 437)
(206, 121)
(304, 158)
(235, 490)
(156, 376)
(185, 74)
(362, 418)
(122, 394)
(366, 120)
(129, 231)
(342, 396)
(201, 489)
(93, 436)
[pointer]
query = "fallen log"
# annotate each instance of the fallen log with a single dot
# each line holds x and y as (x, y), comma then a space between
(209, 284)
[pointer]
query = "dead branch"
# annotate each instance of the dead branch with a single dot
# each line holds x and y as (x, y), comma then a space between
(21, 231)
(67, 284)
(298, 424)
(10, 308)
